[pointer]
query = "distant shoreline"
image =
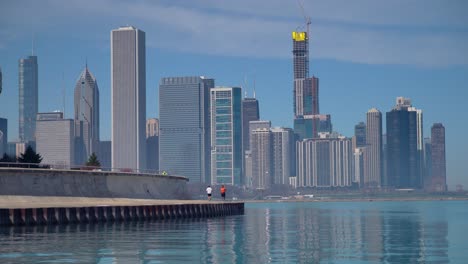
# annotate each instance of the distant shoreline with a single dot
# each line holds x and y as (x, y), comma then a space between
(363, 199)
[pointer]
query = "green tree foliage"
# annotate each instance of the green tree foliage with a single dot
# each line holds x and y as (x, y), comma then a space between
(93, 161)
(30, 156)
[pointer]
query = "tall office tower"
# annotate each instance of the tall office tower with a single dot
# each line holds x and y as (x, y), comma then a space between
(439, 178)
(283, 155)
(306, 96)
(250, 112)
(402, 155)
(184, 126)
(359, 166)
(28, 98)
(3, 136)
(360, 134)
(86, 104)
(261, 149)
(373, 152)
(420, 142)
(324, 162)
(427, 163)
(226, 135)
(128, 97)
(152, 144)
(55, 139)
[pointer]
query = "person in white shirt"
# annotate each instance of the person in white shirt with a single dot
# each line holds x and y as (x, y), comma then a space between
(208, 192)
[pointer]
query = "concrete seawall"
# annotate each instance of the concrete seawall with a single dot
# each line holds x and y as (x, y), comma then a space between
(80, 183)
(30, 210)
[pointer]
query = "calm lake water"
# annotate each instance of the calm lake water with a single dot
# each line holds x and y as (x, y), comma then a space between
(315, 232)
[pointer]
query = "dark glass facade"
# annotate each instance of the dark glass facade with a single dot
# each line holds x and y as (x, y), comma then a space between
(28, 98)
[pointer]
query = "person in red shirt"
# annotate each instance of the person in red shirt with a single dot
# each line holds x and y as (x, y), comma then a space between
(223, 192)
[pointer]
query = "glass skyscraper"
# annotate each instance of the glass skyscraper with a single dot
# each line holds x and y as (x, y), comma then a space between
(128, 98)
(226, 135)
(86, 108)
(28, 98)
(184, 127)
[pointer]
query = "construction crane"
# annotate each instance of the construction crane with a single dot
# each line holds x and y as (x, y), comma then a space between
(306, 18)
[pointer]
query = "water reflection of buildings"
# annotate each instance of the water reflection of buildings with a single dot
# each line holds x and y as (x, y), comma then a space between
(280, 232)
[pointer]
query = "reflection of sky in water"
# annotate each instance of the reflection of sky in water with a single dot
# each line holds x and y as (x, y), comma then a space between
(345, 232)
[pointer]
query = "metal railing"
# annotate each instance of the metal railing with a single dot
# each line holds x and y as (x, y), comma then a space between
(81, 168)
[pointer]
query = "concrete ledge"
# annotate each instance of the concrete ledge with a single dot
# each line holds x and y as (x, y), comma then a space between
(30, 210)
(77, 183)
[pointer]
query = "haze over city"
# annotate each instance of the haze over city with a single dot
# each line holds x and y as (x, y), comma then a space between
(364, 57)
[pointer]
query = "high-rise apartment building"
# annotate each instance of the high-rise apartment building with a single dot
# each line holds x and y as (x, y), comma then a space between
(152, 144)
(373, 150)
(28, 98)
(261, 148)
(86, 106)
(419, 141)
(402, 154)
(226, 135)
(324, 162)
(184, 125)
(360, 134)
(55, 139)
(283, 155)
(439, 178)
(427, 163)
(3, 136)
(128, 98)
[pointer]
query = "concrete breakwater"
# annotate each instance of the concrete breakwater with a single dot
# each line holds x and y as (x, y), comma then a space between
(80, 183)
(18, 211)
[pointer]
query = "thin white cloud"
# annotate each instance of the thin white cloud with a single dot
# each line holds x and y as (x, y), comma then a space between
(422, 33)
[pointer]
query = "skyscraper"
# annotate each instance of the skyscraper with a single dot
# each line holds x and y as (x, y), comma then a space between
(324, 162)
(3, 136)
(360, 134)
(86, 106)
(283, 155)
(55, 139)
(419, 141)
(226, 135)
(261, 149)
(373, 149)
(184, 124)
(250, 112)
(306, 90)
(152, 144)
(28, 98)
(128, 98)
(439, 178)
(402, 155)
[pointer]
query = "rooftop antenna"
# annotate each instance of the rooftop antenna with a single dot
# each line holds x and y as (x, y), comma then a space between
(63, 92)
(32, 44)
(245, 86)
(254, 96)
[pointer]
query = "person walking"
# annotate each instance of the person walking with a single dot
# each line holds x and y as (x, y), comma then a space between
(208, 192)
(223, 192)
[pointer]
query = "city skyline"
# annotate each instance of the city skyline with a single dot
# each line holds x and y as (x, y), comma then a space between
(340, 77)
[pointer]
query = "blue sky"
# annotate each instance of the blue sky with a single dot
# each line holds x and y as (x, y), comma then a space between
(365, 52)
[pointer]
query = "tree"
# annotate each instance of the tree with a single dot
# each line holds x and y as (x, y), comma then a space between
(7, 159)
(93, 161)
(30, 156)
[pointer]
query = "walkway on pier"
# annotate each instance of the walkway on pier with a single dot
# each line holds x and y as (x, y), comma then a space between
(32, 210)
